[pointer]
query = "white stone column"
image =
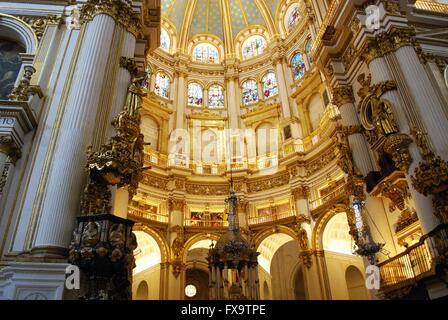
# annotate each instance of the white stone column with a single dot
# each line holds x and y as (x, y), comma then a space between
(358, 144)
(180, 101)
(232, 103)
(283, 93)
(423, 205)
(64, 187)
(427, 99)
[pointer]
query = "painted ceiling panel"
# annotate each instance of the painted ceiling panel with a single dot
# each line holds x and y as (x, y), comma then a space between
(207, 18)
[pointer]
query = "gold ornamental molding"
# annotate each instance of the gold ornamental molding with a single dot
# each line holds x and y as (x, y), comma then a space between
(386, 43)
(431, 176)
(39, 24)
(122, 13)
(343, 95)
(430, 5)
(301, 192)
(397, 145)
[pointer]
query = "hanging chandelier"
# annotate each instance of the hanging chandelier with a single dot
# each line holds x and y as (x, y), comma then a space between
(233, 262)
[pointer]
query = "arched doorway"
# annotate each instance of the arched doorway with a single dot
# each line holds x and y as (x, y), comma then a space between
(142, 291)
(338, 246)
(196, 287)
(147, 269)
(355, 284)
(299, 285)
(277, 262)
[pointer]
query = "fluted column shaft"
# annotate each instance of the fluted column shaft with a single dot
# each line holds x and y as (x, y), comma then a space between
(358, 144)
(427, 99)
(180, 101)
(61, 200)
(281, 82)
(423, 205)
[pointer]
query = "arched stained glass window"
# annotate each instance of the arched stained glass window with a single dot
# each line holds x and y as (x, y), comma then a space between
(215, 96)
(195, 94)
(253, 47)
(165, 41)
(309, 45)
(249, 92)
(162, 85)
(292, 17)
(206, 53)
(269, 85)
(298, 66)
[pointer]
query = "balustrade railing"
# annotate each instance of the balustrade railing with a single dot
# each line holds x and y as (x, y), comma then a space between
(416, 261)
(271, 217)
(133, 211)
(339, 191)
(205, 223)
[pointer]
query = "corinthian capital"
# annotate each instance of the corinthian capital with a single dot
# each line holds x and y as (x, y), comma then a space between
(8, 147)
(343, 95)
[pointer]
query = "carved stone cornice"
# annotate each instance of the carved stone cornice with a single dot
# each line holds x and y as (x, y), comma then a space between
(343, 95)
(122, 13)
(268, 183)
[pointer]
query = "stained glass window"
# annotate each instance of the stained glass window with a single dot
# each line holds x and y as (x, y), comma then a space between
(206, 53)
(215, 96)
(162, 85)
(195, 94)
(292, 17)
(253, 47)
(309, 45)
(250, 92)
(269, 85)
(298, 66)
(165, 40)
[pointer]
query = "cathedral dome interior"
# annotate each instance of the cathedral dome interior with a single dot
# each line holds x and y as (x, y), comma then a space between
(224, 149)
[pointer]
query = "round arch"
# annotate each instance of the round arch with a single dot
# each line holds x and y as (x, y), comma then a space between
(161, 241)
(320, 224)
(246, 33)
(16, 29)
(196, 238)
(172, 33)
(263, 234)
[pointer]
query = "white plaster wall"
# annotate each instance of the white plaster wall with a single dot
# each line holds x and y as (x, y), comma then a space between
(152, 278)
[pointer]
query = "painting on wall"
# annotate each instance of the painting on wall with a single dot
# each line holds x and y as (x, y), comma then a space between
(10, 63)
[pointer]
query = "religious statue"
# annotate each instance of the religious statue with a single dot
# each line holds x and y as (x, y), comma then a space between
(116, 235)
(135, 94)
(384, 118)
(90, 234)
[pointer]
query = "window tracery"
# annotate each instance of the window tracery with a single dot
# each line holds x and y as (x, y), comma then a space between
(162, 85)
(165, 40)
(269, 85)
(216, 96)
(253, 47)
(298, 66)
(249, 92)
(206, 53)
(195, 94)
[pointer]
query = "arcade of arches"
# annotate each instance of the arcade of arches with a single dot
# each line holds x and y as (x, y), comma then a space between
(328, 119)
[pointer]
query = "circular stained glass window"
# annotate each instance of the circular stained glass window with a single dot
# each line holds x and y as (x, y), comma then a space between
(190, 290)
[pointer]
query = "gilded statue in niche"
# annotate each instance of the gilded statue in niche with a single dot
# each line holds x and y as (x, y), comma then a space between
(384, 119)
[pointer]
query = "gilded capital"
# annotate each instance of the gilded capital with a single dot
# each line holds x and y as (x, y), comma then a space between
(300, 192)
(122, 13)
(343, 95)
